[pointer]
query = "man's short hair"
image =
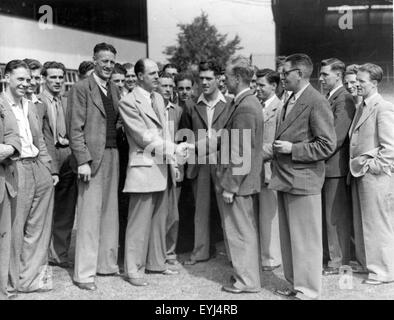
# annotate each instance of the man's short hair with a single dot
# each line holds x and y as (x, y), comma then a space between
(165, 75)
(184, 76)
(279, 61)
(169, 65)
(84, 67)
(15, 64)
(335, 65)
(118, 68)
(104, 47)
(302, 62)
(139, 67)
(33, 64)
(352, 69)
(271, 75)
(375, 71)
(241, 67)
(128, 65)
(209, 66)
(52, 65)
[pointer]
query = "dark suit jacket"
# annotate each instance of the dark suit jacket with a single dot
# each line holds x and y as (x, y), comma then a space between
(9, 134)
(194, 117)
(244, 114)
(47, 127)
(343, 108)
(310, 127)
(86, 122)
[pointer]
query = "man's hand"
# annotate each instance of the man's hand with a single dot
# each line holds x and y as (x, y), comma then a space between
(55, 179)
(228, 197)
(84, 172)
(282, 146)
(6, 151)
(183, 151)
(178, 175)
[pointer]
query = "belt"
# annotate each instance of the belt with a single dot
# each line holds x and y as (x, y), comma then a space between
(28, 160)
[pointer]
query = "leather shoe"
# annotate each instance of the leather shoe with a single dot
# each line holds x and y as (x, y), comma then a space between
(269, 268)
(231, 289)
(113, 274)
(138, 282)
(64, 264)
(285, 293)
(86, 286)
(328, 271)
(372, 282)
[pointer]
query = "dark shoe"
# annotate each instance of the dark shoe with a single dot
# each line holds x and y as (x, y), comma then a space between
(372, 282)
(285, 293)
(328, 271)
(86, 286)
(64, 264)
(138, 282)
(268, 268)
(167, 272)
(42, 290)
(113, 274)
(232, 279)
(191, 262)
(231, 289)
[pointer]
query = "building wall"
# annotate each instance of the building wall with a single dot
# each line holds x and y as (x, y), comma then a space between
(22, 38)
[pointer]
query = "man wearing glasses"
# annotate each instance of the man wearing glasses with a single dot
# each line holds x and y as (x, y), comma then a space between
(304, 138)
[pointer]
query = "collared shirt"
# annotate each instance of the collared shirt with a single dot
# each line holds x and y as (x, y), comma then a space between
(102, 84)
(294, 99)
(211, 108)
(34, 98)
(368, 100)
(52, 111)
(29, 150)
(334, 90)
(269, 101)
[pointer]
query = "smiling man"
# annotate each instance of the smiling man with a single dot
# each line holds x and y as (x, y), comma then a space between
(92, 114)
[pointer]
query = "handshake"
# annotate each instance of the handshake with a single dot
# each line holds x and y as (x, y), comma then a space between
(183, 152)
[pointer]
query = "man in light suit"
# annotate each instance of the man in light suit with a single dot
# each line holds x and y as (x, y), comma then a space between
(238, 182)
(150, 174)
(10, 148)
(372, 180)
(267, 83)
(31, 229)
(92, 119)
(206, 116)
(336, 199)
(52, 113)
(304, 138)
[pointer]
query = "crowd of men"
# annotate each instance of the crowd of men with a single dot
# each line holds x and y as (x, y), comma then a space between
(300, 178)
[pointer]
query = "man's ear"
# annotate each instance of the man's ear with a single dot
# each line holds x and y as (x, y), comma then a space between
(7, 77)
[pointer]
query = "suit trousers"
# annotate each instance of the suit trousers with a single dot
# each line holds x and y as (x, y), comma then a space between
(96, 248)
(269, 228)
(373, 218)
(31, 229)
(145, 246)
(172, 226)
(239, 220)
(300, 227)
(337, 210)
(5, 243)
(66, 193)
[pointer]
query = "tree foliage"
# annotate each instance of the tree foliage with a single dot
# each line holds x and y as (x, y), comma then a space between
(201, 41)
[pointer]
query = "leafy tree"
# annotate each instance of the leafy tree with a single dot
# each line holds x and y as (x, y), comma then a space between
(201, 41)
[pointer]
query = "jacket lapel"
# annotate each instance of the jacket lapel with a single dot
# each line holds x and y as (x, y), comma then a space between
(219, 108)
(271, 109)
(32, 117)
(369, 109)
(145, 107)
(96, 95)
(202, 111)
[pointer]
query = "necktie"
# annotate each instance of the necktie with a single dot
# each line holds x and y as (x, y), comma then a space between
(328, 95)
(154, 106)
(60, 121)
(285, 106)
(358, 115)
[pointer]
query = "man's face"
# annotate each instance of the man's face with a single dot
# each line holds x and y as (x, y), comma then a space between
(104, 62)
(119, 80)
(222, 84)
(252, 84)
(150, 78)
(185, 89)
(18, 81)
(131, 79)
(264, 89)
(350, 83)
(172, 71)
(54, 80)
(209, 82)
(329, 78)
(231, 81)
(365, 84)
(166, 88)
(35, 81)
(290, 77)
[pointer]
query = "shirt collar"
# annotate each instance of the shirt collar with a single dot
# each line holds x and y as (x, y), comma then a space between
(145, 93)
(212, 104)
(102, 83)
(170, 105)
(13, 104)
(299, 93)
(269, 101)
(368, 100)
(49, 95)
(334, 90)
(240, 93)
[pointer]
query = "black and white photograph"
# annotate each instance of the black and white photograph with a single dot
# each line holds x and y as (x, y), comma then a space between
(210, 151)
